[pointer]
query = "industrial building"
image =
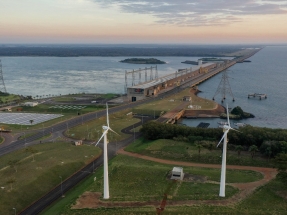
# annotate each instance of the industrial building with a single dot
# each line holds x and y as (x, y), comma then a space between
(168, 82)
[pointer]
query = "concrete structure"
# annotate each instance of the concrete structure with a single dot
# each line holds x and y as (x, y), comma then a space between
(31, 104)
(168, 82)
(177, 173)
(186, 98)
(78, 142)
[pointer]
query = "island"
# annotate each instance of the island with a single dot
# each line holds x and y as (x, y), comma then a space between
(237, 113)
(143, 61)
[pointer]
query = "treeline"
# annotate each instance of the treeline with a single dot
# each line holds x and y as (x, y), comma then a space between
(137, 50)
(269, 141)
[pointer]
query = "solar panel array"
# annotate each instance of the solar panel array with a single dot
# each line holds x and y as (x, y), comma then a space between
(24, 118)
(71, 107)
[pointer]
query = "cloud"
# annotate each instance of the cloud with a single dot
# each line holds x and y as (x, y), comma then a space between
(198, 13)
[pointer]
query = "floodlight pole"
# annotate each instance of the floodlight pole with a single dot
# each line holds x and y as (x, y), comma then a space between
(43, 129)
(61, 185)
(223, 168)
(134, 133)
(24, 138)
(15, 211)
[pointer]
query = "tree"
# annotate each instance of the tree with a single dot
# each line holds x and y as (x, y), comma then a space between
(268, 151)
(281, 162)
(31, 121)
(253, 149)
(198, 146)
(238, 148)
(11, 181)
(14, 164)
(32, 151)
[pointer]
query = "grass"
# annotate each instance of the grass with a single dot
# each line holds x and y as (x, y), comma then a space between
(133, 179)
(271, 197)
(45, 109)
(92, 130)
(171, 102)
(35, 178)
(9, 98)
(185, 151)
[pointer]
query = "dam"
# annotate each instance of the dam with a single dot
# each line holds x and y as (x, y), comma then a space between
(181, 78)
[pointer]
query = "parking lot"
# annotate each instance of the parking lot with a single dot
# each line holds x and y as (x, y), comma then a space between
(25, 118)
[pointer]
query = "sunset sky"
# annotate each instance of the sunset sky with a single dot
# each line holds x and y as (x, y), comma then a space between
(143, 21)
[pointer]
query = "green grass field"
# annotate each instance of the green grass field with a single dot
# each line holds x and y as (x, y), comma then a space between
(36, 176)
(133, 179)
(92, 130)
(8, 98)
(185, 151)
(171, 102)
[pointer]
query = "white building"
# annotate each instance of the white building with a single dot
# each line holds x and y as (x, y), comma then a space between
(177, 173)
(31, 104)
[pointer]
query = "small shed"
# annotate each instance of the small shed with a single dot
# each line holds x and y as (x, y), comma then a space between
(78, 142)
(186, 98)
(177, 173)
(31, 104)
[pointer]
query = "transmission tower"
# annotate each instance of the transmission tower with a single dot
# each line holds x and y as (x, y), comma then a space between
(2, 85)
(224, 87)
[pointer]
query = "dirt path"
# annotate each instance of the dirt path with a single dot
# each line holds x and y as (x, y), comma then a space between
(92, 200)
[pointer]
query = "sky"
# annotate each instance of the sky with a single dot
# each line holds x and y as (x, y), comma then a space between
(143, 21)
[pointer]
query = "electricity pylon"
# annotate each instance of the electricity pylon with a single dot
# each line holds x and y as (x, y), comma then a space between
(224, 87)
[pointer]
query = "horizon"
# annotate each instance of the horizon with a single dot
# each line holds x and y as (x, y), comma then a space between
(143, 22)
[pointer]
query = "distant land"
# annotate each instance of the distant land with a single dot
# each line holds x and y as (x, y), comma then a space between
(143, 61)
(123, 50)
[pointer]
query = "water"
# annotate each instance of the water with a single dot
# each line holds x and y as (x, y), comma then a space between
(267, 73)
(63, 75)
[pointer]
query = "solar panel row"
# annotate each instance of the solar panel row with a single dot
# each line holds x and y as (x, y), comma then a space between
(24, 118)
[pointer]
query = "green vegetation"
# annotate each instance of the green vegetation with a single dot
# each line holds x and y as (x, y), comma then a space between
(247, 136)
(133, 179)
(238, 113)
(6, 98)
(108, 96)
(159, 107)
(189, 151)
(92, 130)
(29, 173)
(143, 61)
(269, 199)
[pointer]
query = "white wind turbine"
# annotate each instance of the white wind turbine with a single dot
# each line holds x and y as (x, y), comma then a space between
(226, 129)
(106, 174)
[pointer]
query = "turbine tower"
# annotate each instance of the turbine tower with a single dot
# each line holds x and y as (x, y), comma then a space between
(224, 87)
(2, 85)
(106, 174)
(226, 129)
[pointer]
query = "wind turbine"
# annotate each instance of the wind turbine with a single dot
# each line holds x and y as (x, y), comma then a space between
(226, 129)
(106, 174)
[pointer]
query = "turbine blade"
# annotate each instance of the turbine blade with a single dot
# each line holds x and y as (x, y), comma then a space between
(227, 113)
(225, 133)
(102, 137)
(113, 131)
(235, 130)
(107, 115)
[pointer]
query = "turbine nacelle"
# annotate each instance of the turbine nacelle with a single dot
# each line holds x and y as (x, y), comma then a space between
(105, 127)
